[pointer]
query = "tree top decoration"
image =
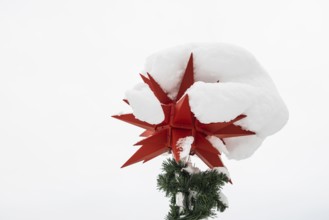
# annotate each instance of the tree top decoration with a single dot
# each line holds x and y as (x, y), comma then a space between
(205, 100)
(179, 123)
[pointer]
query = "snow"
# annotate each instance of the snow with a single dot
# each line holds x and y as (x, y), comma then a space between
(218, 144)
(185, 145)
(230, 100)
(145, 105)
(222, 170)
(180, 199)
(242, 147)
(167, 68)
(191, 169)
(229, 82)
(223, 198)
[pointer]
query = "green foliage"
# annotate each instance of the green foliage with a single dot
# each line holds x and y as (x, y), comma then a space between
(201, 191)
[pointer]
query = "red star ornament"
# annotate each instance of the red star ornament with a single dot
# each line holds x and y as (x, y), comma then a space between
(179, 122)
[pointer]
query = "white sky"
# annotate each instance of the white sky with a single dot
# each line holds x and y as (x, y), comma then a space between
(64, 68)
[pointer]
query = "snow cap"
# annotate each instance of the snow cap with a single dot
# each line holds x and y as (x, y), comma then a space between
(228, 82)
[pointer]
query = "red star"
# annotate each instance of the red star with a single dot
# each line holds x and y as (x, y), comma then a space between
(180, 122)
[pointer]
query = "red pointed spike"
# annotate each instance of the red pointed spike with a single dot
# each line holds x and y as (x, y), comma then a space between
(159, 137)
(203, 144)
(232, 131)
(177, 134)
(146, 152)
(214, 127)
(146, 133)
(158, 91)
(145, 79)
(152, 147)
(126, 101)
(130, 118)
(183, 115)
(155, 155)
(188, 78)
(212, 160)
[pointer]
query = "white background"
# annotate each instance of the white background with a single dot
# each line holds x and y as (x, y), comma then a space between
(64, 68)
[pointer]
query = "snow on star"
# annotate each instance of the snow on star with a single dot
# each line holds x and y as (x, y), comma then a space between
(179, 123)
(244, 88)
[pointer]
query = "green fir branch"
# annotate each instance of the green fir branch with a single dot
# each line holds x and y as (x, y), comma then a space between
(205, 185)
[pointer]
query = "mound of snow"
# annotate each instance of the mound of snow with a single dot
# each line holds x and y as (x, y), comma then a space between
(145, 105)
(229, 82)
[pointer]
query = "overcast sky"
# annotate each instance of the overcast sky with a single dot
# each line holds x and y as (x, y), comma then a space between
(65, 66)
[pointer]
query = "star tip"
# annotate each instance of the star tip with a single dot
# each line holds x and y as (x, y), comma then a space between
(249, 132)
(191, 57)
(177, 159)
(142, 75)
(126, 101)
(126, 164)
(117, 116)
(242, 116)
